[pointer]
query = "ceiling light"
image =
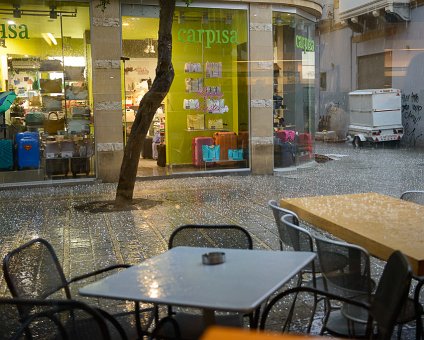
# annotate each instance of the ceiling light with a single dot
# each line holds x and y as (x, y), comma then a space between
(152, 48)
(11, 22)
(17, 12)
(279, 21)
(375, 13)
(181, 18)
(205, 19)
(53, 13)
(52, 38)
(354, 20)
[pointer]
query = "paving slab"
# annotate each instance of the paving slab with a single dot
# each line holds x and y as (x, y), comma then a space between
(87, 241)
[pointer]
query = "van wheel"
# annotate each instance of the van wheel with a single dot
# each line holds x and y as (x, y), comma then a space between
(357, 143)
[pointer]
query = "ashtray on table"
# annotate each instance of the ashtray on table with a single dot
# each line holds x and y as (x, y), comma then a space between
(213, 258)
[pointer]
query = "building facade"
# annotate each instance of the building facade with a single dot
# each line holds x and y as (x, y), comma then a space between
(373, 44)
(243, 96)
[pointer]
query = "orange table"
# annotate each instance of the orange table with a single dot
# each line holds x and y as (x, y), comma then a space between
(227, 333)
(379, 223)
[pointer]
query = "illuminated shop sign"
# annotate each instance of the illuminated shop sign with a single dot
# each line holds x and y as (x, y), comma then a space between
(305, 44)
(208, 36)
(13, 31)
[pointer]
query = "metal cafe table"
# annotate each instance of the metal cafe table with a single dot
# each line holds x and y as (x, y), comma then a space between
(178, 277)
(379, 223)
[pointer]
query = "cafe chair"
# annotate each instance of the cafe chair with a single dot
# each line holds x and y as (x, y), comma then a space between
(419, 311)
(353, 281)
(33, 271)
(212, 236)
(416, 196)
(278, 213)
(56, 319)
(299, 239)
(383, 309)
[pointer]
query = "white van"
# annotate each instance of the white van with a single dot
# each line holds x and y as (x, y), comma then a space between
(375, 116)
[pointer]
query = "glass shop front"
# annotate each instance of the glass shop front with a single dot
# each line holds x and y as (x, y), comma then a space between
(203, 122)
(46, 130)
(294, 89)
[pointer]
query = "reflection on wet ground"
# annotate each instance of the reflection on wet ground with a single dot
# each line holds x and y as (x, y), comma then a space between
(85, 241)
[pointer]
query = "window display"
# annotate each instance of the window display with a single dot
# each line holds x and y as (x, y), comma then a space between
(294, 77)
(202, 106)
(49, 122)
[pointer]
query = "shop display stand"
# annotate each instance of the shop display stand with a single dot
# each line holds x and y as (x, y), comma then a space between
(65, 93)
(208, 94)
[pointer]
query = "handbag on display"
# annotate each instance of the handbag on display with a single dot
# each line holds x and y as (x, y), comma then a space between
(51, 85)
(74, 73)
(235, 154)
(80, 112)
(51, 65)
(78, 125)
(195, 122)
(215, 124)
(53, 123)
(34, 118)
(210, 152)
(74, 92)
(51, 103)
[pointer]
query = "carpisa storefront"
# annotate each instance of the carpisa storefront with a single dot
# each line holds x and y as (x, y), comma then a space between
(242, 98)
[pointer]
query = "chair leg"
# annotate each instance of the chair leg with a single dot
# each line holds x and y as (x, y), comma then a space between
(419, 328)
(286, 326)
(311, 319)
(327, 311)
(399, 331)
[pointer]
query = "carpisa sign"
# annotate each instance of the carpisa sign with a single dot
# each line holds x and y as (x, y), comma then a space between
(13, 31)
(209, 37)
(305, 44)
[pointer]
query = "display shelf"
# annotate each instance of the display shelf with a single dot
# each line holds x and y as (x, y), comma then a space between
(197, 130)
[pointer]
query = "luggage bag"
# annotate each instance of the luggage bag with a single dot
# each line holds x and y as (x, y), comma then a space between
(28, 150)
(80, 165)
(147, 148)
(226, 140)
(196, 148)
(284, 153)
(286, 135)
(57, 166)
(6, 154)
(161, 155)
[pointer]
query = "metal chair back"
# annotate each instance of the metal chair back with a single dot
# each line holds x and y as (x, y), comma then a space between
(345, 267)
(213, 236)
(384, 309)
(55, 319)
(391, 294)
(33, 271)
(416, 196)
(278, 213)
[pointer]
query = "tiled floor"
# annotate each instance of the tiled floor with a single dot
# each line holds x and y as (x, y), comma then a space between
(86, 241)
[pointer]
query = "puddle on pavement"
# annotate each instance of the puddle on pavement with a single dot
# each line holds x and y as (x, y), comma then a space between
(110, 206)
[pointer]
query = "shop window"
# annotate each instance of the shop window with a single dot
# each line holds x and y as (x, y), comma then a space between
(294, 79)
(203, 123)
(45, 64)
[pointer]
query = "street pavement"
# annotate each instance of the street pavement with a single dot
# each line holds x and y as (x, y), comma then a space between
(87, 241)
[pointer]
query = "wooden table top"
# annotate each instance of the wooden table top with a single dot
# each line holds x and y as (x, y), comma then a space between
(379, 223)
(228, 333)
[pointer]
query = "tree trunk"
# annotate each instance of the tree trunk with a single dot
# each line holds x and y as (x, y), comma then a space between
(148, 105)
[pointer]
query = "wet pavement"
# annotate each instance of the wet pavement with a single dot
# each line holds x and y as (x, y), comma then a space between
(86, 241)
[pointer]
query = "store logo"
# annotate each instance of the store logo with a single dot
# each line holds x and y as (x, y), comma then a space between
(207, 36)
(13, 31)
(305, 44)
